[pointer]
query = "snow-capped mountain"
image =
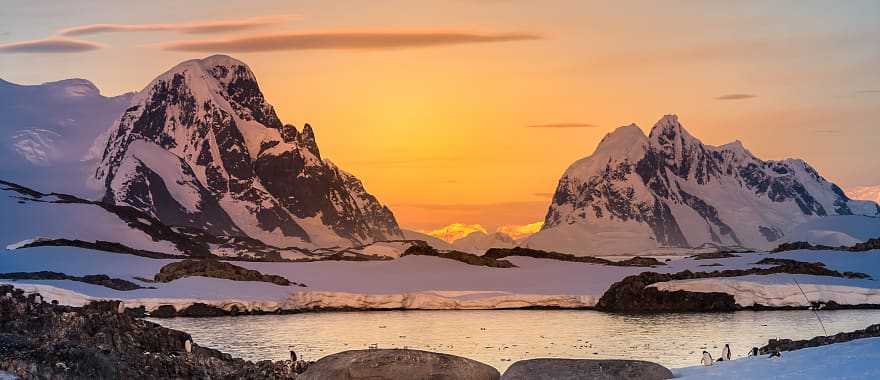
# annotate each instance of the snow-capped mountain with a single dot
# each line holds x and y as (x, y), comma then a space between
(478, 242)
(201, 147)
(46, 130)
(668, 189)
(866, 193)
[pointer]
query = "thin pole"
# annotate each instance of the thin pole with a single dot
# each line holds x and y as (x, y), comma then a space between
(816, 312)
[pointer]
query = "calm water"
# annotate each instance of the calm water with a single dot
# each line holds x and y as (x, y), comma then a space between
(502, 337)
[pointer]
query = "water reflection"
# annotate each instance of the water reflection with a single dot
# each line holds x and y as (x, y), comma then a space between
(502, 337)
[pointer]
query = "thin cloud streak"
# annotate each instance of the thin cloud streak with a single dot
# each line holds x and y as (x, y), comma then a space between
(345, 40)
(195, 27)
(736, 96)
(563, 125)
(49, 45)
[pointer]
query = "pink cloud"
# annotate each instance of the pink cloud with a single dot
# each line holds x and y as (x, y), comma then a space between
(195, 27)
(343, 40)
(50, 45)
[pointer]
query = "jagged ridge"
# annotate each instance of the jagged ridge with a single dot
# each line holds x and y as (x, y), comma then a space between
(200, 147)
(640, 192)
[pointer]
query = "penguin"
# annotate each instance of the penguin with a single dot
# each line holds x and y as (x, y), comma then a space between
(775, 354)
(707, 359)
(188, 345)
(292, 356)
(725, 353)
(120, 308)
(754, 351)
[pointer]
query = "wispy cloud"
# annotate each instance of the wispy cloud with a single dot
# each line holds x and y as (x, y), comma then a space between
(736, 96)
(827, 131)
(563, 125)
(194, 27)
(343, 40)
(49, 45)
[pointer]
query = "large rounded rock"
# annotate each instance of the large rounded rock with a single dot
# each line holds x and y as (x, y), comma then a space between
(570, 369)
(396, 364)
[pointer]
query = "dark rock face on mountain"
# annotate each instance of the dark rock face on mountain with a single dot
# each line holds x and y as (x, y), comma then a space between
(393, 364)
(43, 341)
(668, 189)
(200, 147)
(572, 369)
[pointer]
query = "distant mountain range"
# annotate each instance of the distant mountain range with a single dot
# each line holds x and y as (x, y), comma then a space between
(867, 193)
(198, 163)
(636, 193)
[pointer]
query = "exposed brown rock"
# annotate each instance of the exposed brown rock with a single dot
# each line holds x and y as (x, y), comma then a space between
(45, 341)
(713, 255)
(638, 261)
(775, 345)
(633, 294)
(94, 279)
(868, 245)
(215, 269)
(467, 258)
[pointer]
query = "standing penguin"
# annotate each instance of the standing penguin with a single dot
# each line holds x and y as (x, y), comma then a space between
(725, 353)
(707, 359)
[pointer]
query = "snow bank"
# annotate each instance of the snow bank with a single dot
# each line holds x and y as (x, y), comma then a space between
(782, 290)
(858, 359)
(421, 282)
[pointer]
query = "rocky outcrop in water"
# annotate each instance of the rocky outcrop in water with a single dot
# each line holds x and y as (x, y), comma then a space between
(634, 295)
(44, 341)
(393, 364)
(573, 369)
(94, 279)
(215, 269)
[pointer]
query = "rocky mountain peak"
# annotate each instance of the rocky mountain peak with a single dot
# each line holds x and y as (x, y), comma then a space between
(238, 165)
(670, 189)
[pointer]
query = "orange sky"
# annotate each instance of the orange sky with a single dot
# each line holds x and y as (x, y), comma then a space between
(439, 130)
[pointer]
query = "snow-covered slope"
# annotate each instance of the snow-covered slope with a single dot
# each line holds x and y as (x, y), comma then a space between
(668, 189)
(201, 147)
(478, 242)
(867, 193)
(46, 130)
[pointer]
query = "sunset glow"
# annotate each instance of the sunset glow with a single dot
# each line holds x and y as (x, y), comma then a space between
(479, 106)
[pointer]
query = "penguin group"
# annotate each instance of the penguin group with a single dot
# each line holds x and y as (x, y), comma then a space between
(707, 357)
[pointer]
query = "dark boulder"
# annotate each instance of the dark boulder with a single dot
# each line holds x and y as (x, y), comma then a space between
(393, 364)
(572, 369)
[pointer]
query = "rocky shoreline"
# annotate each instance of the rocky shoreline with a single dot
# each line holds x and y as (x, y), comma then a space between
(103, 340)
